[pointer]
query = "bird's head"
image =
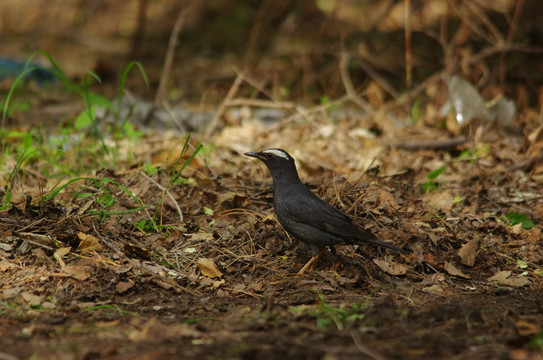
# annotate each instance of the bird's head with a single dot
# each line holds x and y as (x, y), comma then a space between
(280, 163)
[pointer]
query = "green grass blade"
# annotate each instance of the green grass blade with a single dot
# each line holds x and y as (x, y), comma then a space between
(123, 81)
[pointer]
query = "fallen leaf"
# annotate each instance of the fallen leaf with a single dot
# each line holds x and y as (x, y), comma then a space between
(31, 299)
(430, 260)
(313, 285)
(527, 327)
(77, 272)
(169, 284)
(202, 236)
(451, 269)
(208, 268)
(467, 252)
(386, 198)
(500, 276)
(232, 199)
(434, 289)
(123, 286)
(4, 265)
(60, 253)
(391, 267)
(88, 243)
(504, 278)
(441, 200)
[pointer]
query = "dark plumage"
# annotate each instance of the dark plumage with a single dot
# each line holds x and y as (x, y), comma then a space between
(304, 215)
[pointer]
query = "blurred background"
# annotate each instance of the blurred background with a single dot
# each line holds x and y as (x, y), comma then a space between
(292, 49)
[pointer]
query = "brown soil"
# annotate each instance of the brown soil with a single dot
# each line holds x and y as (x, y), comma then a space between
(230, 289)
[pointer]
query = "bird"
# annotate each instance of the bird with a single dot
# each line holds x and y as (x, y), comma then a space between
(305, 216)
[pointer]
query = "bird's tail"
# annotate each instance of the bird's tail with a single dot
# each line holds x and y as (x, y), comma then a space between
(386, 245)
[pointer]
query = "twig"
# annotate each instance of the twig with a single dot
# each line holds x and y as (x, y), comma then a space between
(475, 9)
(347, 83)
(408, 55)
(140, 30)
(40, 245)
(168, 61)
(167, 193)
(261, 15)
(465, 16)
(432, 145)
(260, 103)
(501, 48)
(379, 79)
(364, 349)
(231, 93)
(255, 83)
(302, 112)
(413, 93)
(510, 34)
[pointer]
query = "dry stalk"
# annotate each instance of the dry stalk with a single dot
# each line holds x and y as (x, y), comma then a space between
(347, 83)
(167, 192)
(220, 111)
(408, 54)
(168, 61)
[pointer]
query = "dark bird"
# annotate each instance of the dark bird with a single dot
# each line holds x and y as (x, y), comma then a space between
(304, 215)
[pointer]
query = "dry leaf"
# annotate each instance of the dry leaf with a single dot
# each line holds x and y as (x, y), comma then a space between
(527, 328)
(31, 299)
(504, 278)
(202, 236)
(391, 267)
(77, 272)
(500, 276)
(232, 198)
(386, 198)
(60, 253)
(451, 269)
(434, 289)
(313, 285)
(122, 286)
(88, 243)
(441, 200)
(208, 268)
(430, 260)
(4, 265)
(467, 252)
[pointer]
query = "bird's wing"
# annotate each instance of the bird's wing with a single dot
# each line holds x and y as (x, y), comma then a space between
(311, 210)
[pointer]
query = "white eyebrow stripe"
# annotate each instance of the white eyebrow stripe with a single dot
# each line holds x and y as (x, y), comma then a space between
(276, 152)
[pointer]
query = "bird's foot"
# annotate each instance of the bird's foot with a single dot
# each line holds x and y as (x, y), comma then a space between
(312, 263)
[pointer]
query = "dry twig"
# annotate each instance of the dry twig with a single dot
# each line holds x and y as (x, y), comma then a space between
(168, 61)
(167, 192)
(220, 111)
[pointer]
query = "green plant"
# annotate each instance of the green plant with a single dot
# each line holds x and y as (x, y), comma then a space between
(112, 308)
(515, 218)
(326, 315)
(473, 155)
(431, 185)
(341, 317)
(175, 177)
(104, 199)
(6, 200)
(537, 341)
(415, 111)
(92, 101)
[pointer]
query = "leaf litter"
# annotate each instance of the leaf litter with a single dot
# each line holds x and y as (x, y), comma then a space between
(230, 253)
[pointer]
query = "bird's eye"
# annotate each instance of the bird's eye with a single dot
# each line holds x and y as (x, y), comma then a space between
(269, 155)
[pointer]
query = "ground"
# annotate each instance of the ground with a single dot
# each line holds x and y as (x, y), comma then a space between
(224, 283)
(132, 226)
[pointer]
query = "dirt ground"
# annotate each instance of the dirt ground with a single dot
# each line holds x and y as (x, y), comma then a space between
(225, 285)
(138, 257)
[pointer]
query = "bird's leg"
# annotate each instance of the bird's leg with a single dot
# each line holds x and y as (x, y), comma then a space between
(312, 262)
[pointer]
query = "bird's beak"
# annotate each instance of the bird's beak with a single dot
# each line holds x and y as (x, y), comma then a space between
(259, 156)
